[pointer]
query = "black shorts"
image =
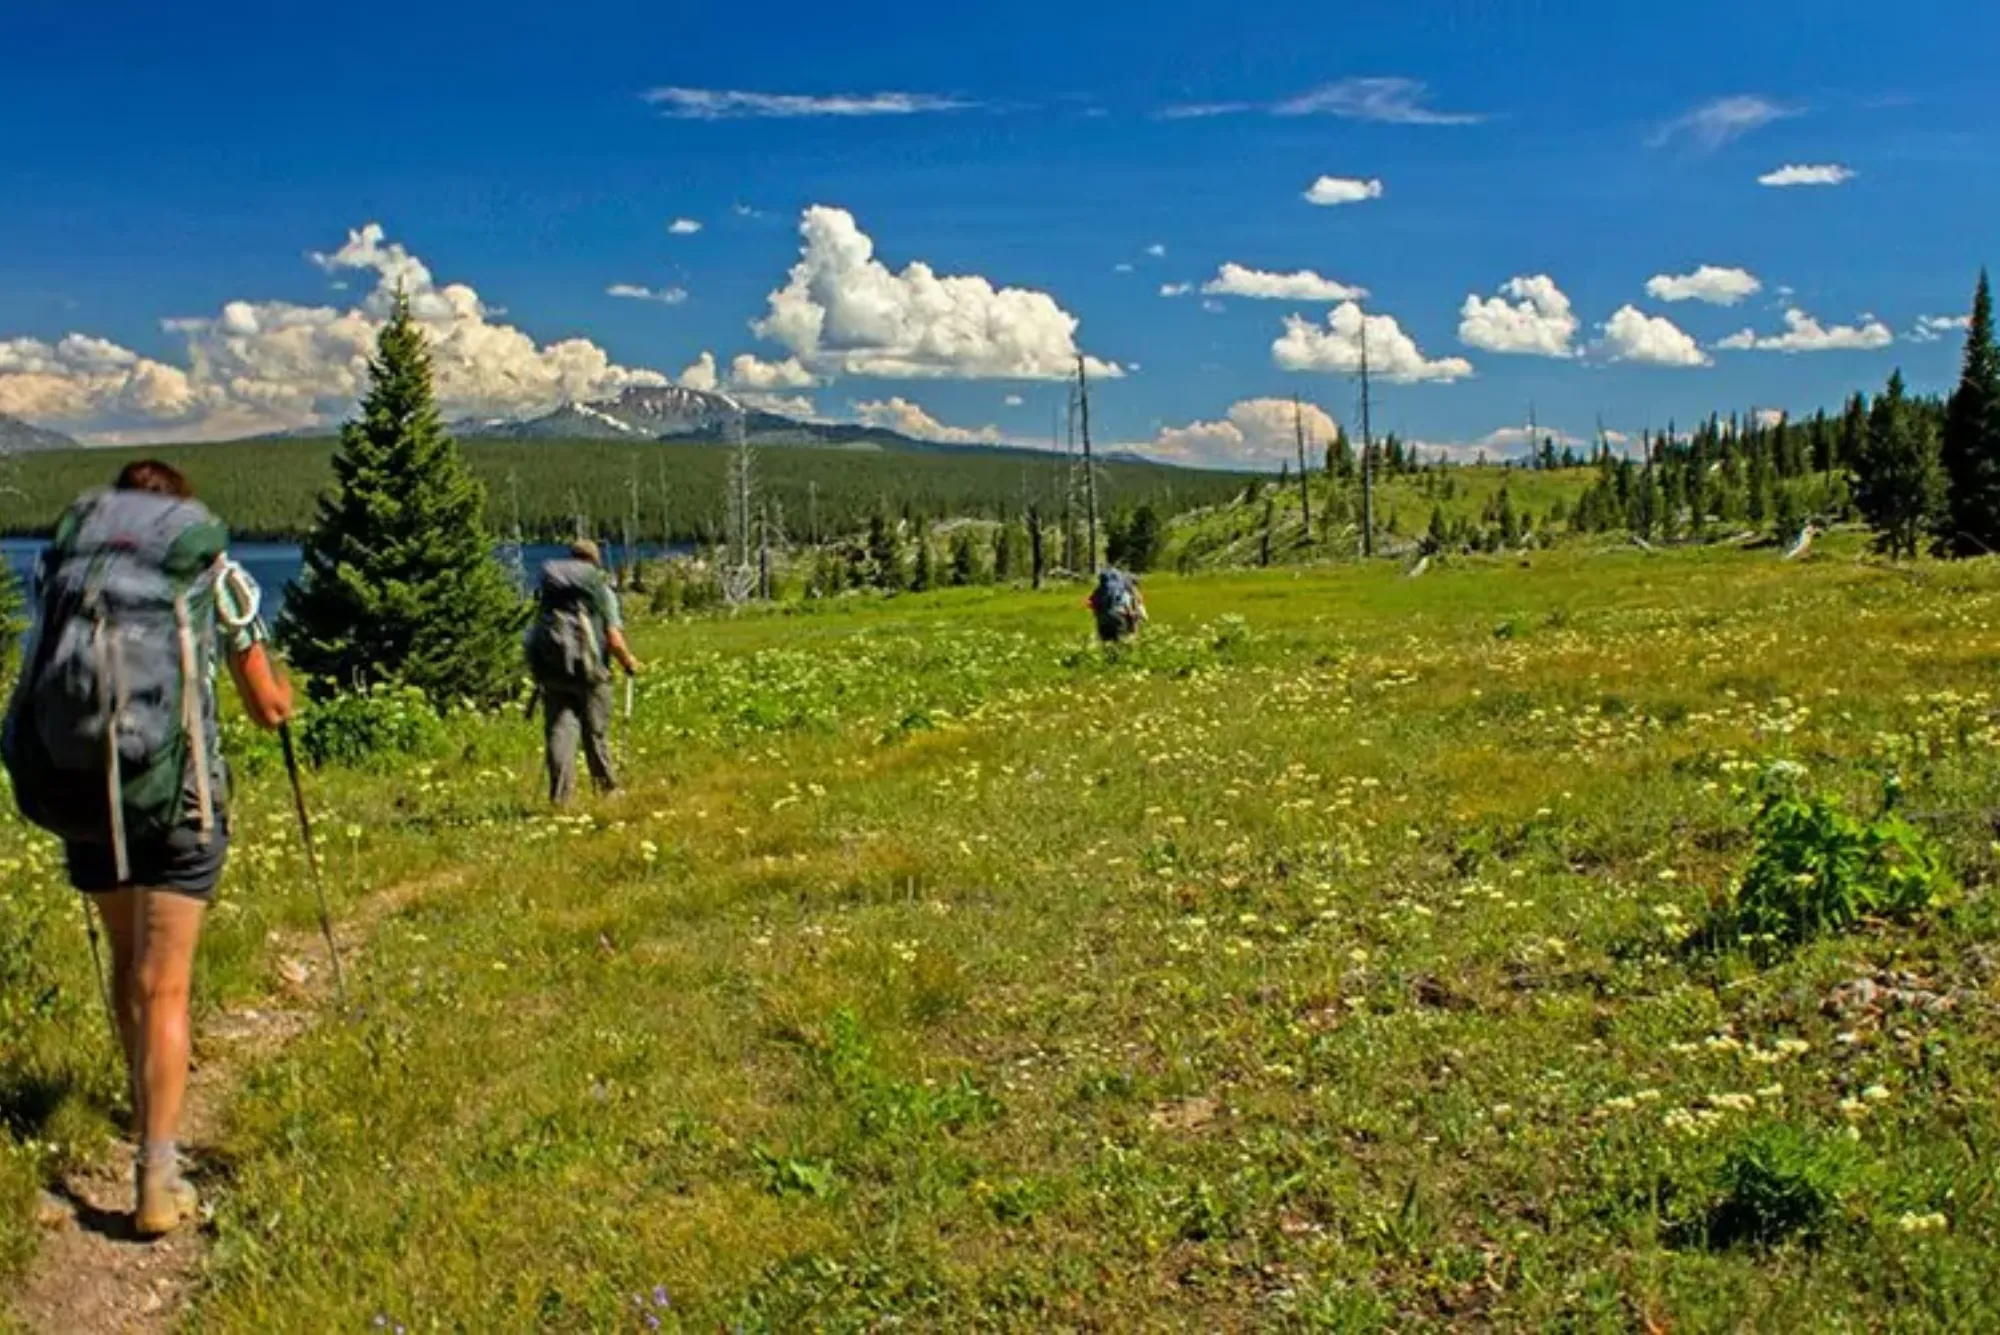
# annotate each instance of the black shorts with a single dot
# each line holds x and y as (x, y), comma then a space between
(179, 863)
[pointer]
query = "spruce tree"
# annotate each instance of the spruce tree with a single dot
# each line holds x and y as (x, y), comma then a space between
(964, 561)
(1971, 444)
(1510, 522)
(399, 582)
(1899, 485)
(885, 553)
(923, 575)
(1144, 540)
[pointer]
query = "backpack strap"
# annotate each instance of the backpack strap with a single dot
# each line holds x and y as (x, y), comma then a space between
(111, 668)
(193, 716)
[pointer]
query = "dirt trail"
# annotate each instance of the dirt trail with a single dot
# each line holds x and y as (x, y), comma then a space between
(92, 1275)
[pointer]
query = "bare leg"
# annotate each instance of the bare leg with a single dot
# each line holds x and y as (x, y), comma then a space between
(115, 910)
(153, 977)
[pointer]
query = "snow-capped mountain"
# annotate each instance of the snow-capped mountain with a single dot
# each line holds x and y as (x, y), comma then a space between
(647, 413)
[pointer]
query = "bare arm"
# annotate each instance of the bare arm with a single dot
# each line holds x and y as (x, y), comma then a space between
(262, 685)
(614, 640)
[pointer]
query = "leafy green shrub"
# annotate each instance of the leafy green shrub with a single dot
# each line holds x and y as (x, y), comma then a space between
(1818, 870)
(1779, 1182)
(790, 1175)
(888, 1108)
(371, 727)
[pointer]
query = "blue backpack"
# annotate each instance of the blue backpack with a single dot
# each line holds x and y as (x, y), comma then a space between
(1114, 602)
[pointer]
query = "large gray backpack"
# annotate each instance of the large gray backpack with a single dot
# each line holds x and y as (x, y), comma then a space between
(563, 646)
(111, 732)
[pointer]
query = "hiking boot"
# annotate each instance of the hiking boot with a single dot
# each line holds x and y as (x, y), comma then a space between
(166, 1200)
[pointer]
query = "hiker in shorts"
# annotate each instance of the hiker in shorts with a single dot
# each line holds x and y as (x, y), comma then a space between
(112, 743)
(576, 634)
(1116, 604)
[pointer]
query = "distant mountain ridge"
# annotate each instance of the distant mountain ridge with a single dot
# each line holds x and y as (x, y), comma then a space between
(17, 436)
(674, 412)
(677, 413)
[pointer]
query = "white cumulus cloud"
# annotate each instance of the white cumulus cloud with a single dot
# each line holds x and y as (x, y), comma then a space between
(1537, 321)
(844, 311)
(1236, 280)
(1157, 250)
(1631, 335)
(1334, 190)
(683, 227)
(269, 365)
(1336, 346)
(899, 414)
(1716, 286)
(1803, 174)
(800, 406)
(1713, 124)
(1931, 328)
(700, 374)
(1258, 433)
(1805, 334)
(711, 104)
(79, 379)
(749, 372)
(753, 381)
(1176, 289)
(666, 296)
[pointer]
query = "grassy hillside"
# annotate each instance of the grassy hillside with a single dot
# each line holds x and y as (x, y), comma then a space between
(1232, 532)
(268, 488)
(1327, 959)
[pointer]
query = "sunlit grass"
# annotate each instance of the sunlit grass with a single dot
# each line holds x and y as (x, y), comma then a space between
(1319, 959)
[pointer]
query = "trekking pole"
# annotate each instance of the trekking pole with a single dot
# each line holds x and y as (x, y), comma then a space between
(312, 859)
(628, 695)
(97, 972)
(238, 603)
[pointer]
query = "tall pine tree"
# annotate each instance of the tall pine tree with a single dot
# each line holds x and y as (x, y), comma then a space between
(1971, 444)
(1899, 485)
(399, 581)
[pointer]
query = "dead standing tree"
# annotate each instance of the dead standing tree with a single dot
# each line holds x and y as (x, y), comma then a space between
(1089, 464)
(736, 570)
(1305, 480)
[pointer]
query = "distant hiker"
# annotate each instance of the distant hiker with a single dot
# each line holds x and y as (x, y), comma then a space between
(1116, 604)
(576, 631)
(111, 741)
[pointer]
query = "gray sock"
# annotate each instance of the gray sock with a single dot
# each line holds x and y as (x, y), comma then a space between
(160, 1156)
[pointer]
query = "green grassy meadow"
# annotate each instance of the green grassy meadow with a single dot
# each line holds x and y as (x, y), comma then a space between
(1320, 961)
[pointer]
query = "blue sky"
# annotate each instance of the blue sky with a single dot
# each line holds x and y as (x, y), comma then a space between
(172, 170)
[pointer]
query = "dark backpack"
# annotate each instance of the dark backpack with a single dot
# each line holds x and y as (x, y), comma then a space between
(1113, 600)
(111, 732)
(563, 643)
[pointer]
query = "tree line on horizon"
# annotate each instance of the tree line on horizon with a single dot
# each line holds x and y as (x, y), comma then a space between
(1922, 472)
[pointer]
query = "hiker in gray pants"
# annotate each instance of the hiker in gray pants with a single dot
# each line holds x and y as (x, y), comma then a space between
(577, 628)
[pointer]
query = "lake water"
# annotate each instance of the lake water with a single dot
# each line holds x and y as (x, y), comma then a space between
(275, 564)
